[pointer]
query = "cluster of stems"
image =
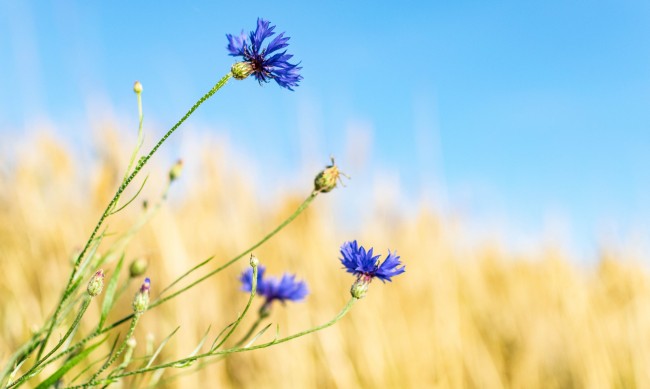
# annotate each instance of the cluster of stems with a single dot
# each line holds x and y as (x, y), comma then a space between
(70, 350)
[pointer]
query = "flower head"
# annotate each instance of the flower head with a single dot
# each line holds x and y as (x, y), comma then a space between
(283, 289)
(96, 283)
(265, 64)
(141, 299)
(327, 179)
(365, 266)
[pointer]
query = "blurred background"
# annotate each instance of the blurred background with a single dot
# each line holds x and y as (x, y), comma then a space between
(500, 148)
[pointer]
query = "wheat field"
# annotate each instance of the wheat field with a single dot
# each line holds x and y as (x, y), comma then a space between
(462, 316)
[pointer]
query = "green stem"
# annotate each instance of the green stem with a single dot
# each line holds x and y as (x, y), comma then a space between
(140, 137)
(134, 322)
(241, 316)
(235, 349)
(250, 331)
(74, 325)
(68, 290)
(297, 212)
(98, 332)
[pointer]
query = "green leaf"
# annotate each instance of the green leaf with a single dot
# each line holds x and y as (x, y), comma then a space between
(214, 344)
(51, 380)
(162, 344)
(187, 273)
(109, 296)
(196, 351)
(132, 198)
(250, 343)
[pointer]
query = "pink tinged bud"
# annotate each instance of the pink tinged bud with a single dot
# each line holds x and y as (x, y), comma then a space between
(360, 287)
(141, 299)
(96, 283)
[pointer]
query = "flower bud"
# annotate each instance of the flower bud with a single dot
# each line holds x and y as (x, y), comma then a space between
(360, 287)
(254, 261)
(326, 180)
(96, 283)
(137, 87)
(176, 171)
(241, 70)
(138, 267)
(141, 300)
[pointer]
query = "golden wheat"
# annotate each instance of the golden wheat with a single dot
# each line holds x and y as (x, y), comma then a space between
(459, 317)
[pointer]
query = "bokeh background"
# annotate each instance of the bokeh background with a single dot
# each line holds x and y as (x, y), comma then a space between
(501, 148)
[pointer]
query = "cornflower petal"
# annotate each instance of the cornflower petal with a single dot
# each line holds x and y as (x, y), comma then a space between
(362, 263)
(271, 288)
(236, 44)
(260, 62)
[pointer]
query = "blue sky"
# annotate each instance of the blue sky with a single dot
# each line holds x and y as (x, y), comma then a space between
(512, 112)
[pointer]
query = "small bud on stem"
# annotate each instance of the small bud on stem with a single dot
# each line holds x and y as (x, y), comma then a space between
(141, 300)
(176, 171)
(137, 87)
(138, 267)
(96, 283)
(254, 261)
(327, 179)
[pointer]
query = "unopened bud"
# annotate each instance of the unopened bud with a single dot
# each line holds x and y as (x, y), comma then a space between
(326, 180)
(141, 300)
(254, 261)
(138, 267)
(360, 287)
(137, 87)
(241, 70)
(176, 171)
(96, 283)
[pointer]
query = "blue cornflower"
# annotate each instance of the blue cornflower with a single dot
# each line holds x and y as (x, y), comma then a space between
(262, 63)
(283, 289)
(365, 266)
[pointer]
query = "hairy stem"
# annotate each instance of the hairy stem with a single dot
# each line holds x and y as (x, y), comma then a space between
(141, 163)
(112, 359)
(338, 317)
(123, 320)
(38, 363)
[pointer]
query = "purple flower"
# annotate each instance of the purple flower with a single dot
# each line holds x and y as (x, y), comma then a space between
(363, 264)
(283, 289)
(268, 63)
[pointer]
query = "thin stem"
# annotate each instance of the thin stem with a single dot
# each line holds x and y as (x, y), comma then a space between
(297, 212)
(119, 322)
(235, 349)
(140, 136)
(134, 322)
(248, 305)
(74, 325)
(68, 290)
(250, 331)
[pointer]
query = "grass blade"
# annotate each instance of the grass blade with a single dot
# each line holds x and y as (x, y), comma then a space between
(187, 273)
(162, 344)
(109, 296)
(51, 380)
(196, 350)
